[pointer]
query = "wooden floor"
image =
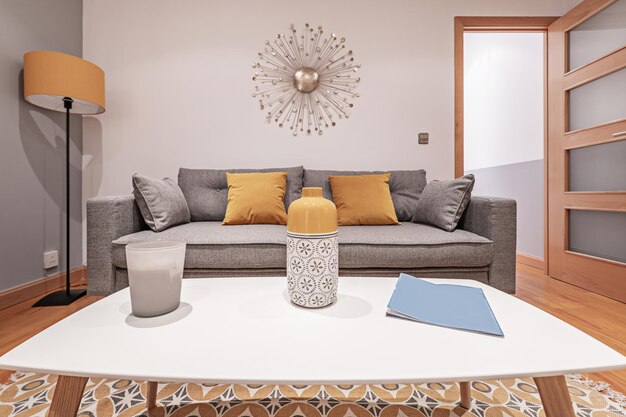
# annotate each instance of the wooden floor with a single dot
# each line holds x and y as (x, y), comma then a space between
(599, 316)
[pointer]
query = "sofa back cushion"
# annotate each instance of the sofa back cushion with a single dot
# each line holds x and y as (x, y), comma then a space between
(405, 187)
(161, 202)
(206, 190)
(363, 199)
(256, 198)
(443, 202)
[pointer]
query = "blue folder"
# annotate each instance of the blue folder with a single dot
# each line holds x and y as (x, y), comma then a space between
(447, 305)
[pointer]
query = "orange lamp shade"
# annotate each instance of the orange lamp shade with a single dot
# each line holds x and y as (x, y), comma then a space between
(51, 76)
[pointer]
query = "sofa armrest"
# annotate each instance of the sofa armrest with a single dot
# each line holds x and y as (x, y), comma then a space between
(108, 218)
(496, 219)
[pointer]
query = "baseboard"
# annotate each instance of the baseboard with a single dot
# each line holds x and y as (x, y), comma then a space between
(41, 286)
(530, 261)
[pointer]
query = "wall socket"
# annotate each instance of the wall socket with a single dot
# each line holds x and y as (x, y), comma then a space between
(50, 259)
(422, 138)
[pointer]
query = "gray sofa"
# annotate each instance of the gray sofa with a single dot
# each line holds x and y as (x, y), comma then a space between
(481, 248)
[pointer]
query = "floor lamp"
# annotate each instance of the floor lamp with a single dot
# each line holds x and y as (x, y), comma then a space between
(62, 82)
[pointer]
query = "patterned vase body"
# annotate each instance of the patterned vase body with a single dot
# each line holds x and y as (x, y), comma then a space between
(312, 250)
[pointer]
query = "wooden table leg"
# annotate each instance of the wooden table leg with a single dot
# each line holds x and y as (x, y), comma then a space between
(153, 387)
(67, 396)
(466, 395)
(555, 396)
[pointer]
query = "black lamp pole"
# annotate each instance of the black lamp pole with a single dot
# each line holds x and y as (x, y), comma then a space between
(67, 296)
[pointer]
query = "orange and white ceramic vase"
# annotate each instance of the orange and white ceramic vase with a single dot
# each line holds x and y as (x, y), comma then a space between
(312, 250)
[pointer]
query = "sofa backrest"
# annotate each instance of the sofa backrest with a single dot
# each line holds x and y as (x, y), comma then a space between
(405, 186)
(206, 190)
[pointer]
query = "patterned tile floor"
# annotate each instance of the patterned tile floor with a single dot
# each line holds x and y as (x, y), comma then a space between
(28, 395)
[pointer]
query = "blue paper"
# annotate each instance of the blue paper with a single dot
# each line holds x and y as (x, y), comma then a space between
(448, 305)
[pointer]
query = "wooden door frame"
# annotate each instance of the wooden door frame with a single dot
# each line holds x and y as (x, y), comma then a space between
(464, 24)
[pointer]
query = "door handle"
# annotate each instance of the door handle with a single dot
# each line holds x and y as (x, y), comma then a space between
(622, 133)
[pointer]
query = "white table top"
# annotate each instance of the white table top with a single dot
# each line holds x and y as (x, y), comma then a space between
(244, 330)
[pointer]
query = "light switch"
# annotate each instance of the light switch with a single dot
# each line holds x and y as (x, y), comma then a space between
(422, 138)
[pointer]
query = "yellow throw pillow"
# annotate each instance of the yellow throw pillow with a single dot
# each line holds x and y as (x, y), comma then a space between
(256, 198)
(363, 199)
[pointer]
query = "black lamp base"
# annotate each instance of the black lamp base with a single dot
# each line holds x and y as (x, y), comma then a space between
(60, 298)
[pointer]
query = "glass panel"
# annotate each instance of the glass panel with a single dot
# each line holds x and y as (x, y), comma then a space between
(598, 233)
(598, 102)
(598, 167)
(597, 36)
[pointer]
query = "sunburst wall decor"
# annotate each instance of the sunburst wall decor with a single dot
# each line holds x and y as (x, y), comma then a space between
(306, 81)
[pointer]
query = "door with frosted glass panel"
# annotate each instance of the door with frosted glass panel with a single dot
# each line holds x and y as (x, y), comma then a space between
(587, 147)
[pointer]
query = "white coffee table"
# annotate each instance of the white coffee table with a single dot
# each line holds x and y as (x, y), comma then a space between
(245, 331)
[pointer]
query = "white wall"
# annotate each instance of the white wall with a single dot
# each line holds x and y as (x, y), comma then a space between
(179, 85)
(504, 125)
(503, 109)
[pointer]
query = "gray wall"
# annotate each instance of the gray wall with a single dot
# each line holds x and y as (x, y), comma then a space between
(524, 183)
(32, 144)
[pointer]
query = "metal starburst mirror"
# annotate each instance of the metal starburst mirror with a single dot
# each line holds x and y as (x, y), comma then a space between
(306, 81)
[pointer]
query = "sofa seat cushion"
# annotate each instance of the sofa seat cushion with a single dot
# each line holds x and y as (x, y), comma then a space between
(214, 245)
(407, 245)
(411, 245)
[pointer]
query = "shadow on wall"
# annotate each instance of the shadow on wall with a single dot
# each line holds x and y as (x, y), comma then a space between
(92, 168)
(43, 141)
(92, 157)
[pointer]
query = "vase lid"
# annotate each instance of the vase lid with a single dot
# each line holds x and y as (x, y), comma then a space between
(312, 192)
(312, 214)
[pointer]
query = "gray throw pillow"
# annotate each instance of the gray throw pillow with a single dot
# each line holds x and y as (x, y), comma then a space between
(161, 202)
(442, 203)
(405, 187)
(206, 190)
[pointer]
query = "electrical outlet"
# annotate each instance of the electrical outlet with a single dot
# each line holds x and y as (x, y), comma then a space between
(422, 138)
(50, 259)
